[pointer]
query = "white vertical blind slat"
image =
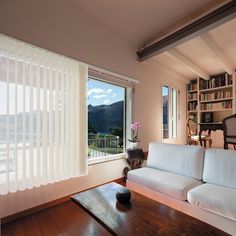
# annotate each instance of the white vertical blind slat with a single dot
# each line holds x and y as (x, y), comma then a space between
(45, 140)
(77, 123)
(23, 129)
(38, 141)
(44, 92)
(51, 147)
(16, 124)
(62, 140)
(57, 128)
(31, 131)
(83, 122)
(67, 128)
(72, 125)
(8, 127)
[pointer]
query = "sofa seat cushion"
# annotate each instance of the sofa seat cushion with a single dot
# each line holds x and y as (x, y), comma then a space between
(214, 198)
(172, 184)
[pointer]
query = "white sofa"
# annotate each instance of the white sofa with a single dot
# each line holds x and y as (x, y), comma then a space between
(198, 182)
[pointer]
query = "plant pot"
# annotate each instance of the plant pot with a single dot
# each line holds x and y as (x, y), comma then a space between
(133, 145)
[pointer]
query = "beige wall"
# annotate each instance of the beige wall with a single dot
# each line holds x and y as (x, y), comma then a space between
(66, 29)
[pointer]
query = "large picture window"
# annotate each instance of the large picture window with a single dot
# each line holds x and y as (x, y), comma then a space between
(170, 112)
(106, 119)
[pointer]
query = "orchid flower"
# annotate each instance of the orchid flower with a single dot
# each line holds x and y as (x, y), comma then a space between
(135, 127)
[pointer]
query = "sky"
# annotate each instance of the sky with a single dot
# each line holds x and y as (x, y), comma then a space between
(101, 93)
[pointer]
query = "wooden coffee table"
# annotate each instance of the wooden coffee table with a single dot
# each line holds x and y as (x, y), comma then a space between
(142, 216)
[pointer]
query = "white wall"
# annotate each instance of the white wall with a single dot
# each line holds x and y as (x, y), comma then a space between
(64, 28)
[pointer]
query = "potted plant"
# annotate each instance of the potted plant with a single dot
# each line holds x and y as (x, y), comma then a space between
(135, 139)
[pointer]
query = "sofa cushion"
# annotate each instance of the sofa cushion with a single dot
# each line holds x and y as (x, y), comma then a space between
(214, 198)
(174, 185)
(219, 167)
(179, 159)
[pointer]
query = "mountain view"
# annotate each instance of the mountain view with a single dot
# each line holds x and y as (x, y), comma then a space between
(106, 118)
(101, 119)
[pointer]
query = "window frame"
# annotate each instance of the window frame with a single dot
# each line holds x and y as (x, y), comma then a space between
(128, 98)
(171, 133)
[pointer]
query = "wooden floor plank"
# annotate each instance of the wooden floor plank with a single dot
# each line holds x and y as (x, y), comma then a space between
(66, 219)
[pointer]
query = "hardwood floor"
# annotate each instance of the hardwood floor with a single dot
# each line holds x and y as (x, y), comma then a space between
(66, 219)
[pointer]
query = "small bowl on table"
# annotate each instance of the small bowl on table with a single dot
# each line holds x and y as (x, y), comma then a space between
(123, 195)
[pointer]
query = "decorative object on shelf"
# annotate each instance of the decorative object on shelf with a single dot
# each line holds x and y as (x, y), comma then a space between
(134, 158)
(134, 141)
(123, 195)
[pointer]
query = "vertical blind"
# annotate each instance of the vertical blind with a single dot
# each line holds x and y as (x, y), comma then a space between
(43, 116)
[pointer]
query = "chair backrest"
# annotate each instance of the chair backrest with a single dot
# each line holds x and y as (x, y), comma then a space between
(229, 124)
(191, 127)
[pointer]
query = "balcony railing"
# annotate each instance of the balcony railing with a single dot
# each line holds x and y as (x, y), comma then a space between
(104, 146)
(165, 132)
(97, 147)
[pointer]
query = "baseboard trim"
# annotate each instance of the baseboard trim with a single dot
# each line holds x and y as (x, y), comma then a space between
(44, 206)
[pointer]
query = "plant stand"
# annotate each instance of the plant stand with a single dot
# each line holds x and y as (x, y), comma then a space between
(134, 158)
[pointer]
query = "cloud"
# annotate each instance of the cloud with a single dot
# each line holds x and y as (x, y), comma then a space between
(101, 93)
(106, 101)
(99, 96)
(109, 91)
(96, 91)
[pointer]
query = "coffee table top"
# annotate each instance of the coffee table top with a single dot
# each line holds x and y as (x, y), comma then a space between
(142, 216)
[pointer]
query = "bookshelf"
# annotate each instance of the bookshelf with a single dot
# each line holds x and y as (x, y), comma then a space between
(214, 98)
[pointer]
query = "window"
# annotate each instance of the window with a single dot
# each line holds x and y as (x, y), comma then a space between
(170, 112)
(106, 119)
(42, 116)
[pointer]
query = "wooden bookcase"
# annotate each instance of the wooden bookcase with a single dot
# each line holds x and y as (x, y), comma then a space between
(215, 96)
(193, 98)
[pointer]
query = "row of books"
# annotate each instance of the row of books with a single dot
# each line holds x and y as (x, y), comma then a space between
(192, 106)
(216, 95)
(216, 106)
(192, 96)
(216, 81)
(192, 85)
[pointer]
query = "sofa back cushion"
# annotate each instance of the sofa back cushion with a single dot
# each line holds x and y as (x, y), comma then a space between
(220, 167)
(179, 159)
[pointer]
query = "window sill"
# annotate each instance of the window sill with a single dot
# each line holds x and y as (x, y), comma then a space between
(100, 160)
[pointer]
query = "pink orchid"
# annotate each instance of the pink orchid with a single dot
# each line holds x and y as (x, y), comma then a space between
(135, 126)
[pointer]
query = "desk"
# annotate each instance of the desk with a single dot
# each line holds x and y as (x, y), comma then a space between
(209, 127)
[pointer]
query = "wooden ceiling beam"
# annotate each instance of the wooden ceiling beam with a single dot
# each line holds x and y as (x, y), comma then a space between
(173, 53)
(202, 25)
(216, 53)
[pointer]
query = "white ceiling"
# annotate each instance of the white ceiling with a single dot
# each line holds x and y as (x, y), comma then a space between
(142, 21)
(223, 38)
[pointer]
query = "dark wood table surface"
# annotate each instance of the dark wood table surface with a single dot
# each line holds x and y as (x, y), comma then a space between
(142, 216)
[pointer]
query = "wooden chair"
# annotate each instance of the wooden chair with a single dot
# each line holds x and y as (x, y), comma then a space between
(193, 137)
(229, 130)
